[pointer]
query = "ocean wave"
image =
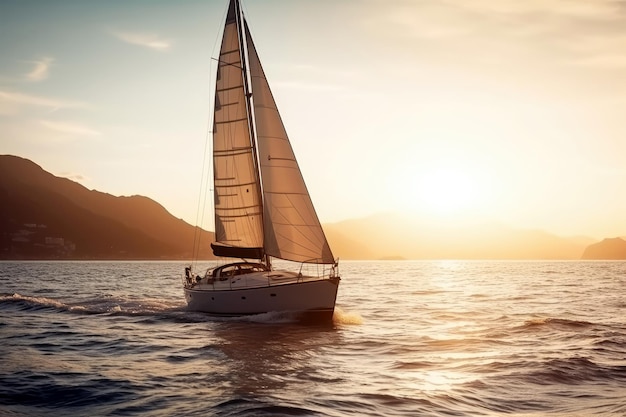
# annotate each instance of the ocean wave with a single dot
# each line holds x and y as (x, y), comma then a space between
(26, 303)
(550, 321)
(575, 370)
(111, 305)
(56, 390)
(248, 407)
(404, 365)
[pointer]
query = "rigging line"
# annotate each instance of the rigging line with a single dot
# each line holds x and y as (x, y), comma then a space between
(201, 201)
(200, 211)
(231, 121)
(228, 64)
(221, 90)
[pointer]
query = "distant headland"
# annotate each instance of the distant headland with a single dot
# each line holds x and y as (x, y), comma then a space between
(608, 249)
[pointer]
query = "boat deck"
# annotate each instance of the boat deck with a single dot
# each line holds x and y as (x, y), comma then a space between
(250, 280)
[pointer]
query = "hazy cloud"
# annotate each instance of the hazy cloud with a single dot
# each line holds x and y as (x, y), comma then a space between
(584, 33)
(73, 176)
(310, 86)
(613, 61)
(307, 70)
(69, 128)
(41, 70)
(586, 8)
(454, 18)
(147, 40)
(14, 98)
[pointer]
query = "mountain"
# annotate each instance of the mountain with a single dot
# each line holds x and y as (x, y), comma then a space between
(44, 216)
(611, 249)
(394, 236)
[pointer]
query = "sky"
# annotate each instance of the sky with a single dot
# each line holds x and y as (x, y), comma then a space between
(485, 111)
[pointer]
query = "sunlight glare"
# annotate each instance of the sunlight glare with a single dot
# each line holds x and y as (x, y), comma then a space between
(445, 190)
(442, 189)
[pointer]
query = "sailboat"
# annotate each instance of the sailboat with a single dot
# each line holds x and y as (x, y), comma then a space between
(263, 211)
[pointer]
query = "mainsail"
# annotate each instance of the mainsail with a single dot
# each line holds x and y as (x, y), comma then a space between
(238, 209)
(275, 213)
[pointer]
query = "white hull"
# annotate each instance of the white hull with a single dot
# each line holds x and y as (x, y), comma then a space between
(250, 295)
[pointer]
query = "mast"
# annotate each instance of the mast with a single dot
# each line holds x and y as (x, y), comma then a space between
(248, 96)
(245, 72)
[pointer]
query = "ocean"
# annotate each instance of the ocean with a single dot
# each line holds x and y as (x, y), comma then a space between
(409, 338)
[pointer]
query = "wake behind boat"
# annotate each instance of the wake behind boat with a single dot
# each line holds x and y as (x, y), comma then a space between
(262, 207)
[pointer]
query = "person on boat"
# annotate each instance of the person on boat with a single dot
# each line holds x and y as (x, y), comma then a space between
(188, 274)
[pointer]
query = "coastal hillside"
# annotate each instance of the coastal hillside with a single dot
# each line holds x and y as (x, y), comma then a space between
(43, 216)
(608, 249)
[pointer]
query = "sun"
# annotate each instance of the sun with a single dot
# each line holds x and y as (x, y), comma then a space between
(441, 189)
(445, 190)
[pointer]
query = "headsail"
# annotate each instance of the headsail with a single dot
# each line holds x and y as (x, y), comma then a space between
(238, 208)
(291, 226)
